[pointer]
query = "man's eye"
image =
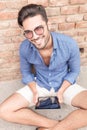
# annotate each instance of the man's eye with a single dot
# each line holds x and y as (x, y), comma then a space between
(27, 31)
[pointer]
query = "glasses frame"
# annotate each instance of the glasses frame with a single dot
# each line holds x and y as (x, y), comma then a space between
(36, 30)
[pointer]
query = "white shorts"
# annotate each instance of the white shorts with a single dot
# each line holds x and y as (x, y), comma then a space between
(68, 95)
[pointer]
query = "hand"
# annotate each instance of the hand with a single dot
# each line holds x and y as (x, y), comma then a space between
(35, 97)
(32, 86)
(62, 89)
(60, 96)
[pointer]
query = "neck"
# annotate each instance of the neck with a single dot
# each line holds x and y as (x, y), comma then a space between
(49, 44)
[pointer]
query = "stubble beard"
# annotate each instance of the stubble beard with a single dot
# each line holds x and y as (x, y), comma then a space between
(46, 42)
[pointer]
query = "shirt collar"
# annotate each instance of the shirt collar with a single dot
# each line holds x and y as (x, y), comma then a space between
(54, 40)
(32, 46)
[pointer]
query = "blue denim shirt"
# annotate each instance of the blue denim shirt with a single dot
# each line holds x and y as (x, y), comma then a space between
(64, 62)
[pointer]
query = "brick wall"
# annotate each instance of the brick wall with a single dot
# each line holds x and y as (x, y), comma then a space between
(66, 16)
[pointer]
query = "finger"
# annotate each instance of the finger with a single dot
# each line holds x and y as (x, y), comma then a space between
(61, 99)
(36, 98)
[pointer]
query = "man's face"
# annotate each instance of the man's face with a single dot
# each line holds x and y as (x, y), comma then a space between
(36, 30)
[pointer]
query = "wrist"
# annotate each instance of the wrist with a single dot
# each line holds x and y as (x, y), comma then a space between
(32, 86)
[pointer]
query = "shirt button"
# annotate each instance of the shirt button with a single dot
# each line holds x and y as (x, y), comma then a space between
(49, 74)
(50, 83)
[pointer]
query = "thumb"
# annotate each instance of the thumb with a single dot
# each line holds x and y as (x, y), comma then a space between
(35, 98)
(60, 98)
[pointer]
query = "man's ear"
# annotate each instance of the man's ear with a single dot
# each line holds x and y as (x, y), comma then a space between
(22, 27)
(47, 23)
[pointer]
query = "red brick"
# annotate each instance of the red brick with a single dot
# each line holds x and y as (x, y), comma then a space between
(10, 32)
(83, 45)
(53, 11)
(58, 2)
(6, 54)
(86, 39)
(17, 4)
(85, 17)
(2, 5)
(83, 9)
(83, 62)
(10, 60)
(53, 27)
(42, 2)
(8, 15)
(10, 65)
(4, 25)
(82, 32)
(79, 39)
(9, 74)
(72, 33)
(13, 23)
(57, 19)
(66, 26)
(78, 1)
(17, 39)
(16, 53)
(10, 70)
(5, 40)
(69, 9)
(17, 45)
(7, 47)
(81, 24)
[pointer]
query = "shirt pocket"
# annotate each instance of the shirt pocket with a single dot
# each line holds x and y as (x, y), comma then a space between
(61, 67)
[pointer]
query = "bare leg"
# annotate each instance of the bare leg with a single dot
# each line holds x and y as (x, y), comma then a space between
(77, 118)
(14, 109)
(41, 128)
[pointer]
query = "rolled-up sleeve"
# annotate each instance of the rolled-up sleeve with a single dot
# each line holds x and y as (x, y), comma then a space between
(73, 63)
(25, 66)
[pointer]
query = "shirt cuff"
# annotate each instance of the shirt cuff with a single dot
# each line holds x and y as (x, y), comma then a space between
(28, 79)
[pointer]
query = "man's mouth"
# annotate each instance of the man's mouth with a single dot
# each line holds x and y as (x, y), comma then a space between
(39, 40)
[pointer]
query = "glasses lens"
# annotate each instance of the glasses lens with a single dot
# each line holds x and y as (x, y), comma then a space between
(28, 34)
(39, 30)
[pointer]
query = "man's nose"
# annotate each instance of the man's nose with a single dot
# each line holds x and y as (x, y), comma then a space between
(35, 36)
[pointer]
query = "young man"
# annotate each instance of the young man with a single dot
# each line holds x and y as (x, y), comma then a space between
(57, 63)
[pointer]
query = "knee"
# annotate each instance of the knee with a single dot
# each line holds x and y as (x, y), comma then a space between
(4, 113)
(84, 107)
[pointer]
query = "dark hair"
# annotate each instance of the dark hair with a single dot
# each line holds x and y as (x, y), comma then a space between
(31, 10)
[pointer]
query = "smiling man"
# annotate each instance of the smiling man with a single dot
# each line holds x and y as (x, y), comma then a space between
(56, 60)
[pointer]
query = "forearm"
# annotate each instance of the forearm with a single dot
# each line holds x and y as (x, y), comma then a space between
(32, 86)
(64, 86)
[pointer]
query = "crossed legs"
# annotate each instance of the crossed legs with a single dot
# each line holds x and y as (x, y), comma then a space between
(15, 109)
(75, 119)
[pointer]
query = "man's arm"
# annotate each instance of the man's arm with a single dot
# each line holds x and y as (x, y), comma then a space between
(27, 75)
(73, 71)
(73, 63)
(64, 86)
(32, 86)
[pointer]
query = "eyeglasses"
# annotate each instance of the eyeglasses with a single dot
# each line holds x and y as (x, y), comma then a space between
(39, 30)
